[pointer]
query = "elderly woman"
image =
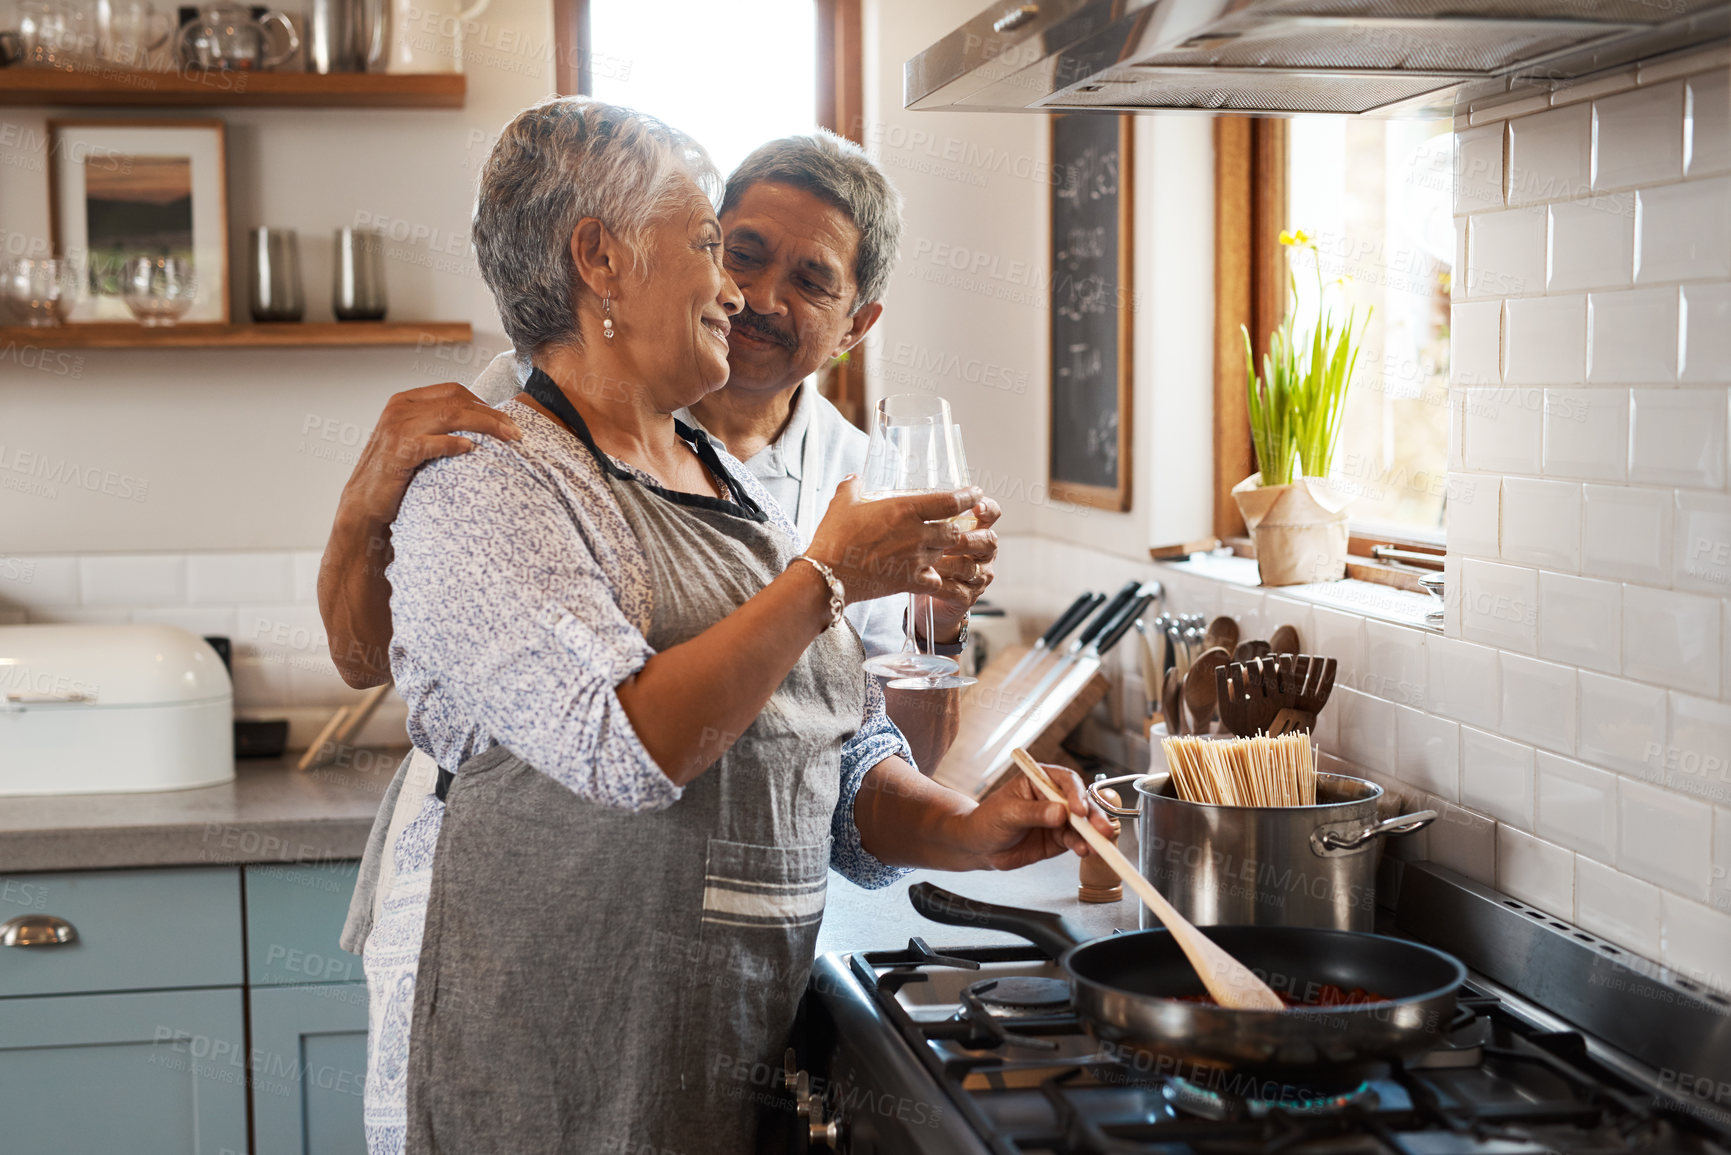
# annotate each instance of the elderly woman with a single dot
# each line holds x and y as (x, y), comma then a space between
(653, 731)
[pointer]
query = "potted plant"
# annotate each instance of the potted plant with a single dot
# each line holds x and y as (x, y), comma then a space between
(1297, 517)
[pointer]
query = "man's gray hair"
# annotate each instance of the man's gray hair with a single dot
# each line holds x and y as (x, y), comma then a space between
(555, 164)
(837, 171)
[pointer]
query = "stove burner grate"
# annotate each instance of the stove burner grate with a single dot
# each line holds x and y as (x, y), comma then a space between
(1023, 993)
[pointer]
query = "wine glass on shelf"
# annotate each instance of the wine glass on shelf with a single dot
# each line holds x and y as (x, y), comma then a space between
(915, 448)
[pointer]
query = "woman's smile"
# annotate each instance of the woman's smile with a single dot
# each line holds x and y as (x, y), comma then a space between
(718, 328)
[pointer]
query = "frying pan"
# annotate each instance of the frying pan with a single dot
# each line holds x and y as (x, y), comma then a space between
(1129, 992)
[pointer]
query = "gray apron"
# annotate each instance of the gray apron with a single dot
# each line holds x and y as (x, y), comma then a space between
(597, 980)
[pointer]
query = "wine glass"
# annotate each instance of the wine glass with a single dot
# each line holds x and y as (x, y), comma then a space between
(158, 290)
(965, 521)
(915, 448)
(39, 290)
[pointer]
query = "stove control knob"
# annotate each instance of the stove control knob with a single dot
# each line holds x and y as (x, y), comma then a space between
(789, 1069)
(803, 1099)
(828, 1134)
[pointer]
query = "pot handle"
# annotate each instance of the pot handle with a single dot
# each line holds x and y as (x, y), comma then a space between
(1339, 841)
(1050, 932)
(1094, 789)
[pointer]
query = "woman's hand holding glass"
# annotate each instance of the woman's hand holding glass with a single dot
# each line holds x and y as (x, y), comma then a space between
(892, 545)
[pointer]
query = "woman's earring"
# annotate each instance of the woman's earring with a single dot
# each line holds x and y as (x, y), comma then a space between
(607, 316)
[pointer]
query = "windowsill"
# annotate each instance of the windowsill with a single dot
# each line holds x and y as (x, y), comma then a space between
(1367, 599)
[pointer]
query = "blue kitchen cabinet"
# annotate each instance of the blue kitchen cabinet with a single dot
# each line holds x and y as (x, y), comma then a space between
(294, 916)
(309, 1057)
(147, 1073)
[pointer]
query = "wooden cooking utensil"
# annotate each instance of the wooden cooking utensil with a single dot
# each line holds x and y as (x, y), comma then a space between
(1172, 702)
(1199, 690)
(1251, 650)
(1232, 699)
(1222, 632)
(1232, 984)
(1284, 640)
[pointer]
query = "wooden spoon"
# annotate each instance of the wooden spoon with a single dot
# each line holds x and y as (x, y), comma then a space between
(1199, 688)
(1222, 632)
(1251, 650)
(1172, 702)
(1232, 984)
(1284, 640)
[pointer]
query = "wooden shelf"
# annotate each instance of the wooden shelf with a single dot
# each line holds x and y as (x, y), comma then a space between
(108, 87)
(287, 335)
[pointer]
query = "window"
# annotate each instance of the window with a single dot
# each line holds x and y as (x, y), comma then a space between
(729, 81)
(1376, 197)
(732, 83)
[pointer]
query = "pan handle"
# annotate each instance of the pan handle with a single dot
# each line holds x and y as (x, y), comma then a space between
(1094, 789)
(1050, 932)
(1326, 842)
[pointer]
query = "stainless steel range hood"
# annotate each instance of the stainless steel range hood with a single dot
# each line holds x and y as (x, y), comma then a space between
(1281, 57)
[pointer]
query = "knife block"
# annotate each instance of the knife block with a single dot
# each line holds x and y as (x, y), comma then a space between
(988, 702)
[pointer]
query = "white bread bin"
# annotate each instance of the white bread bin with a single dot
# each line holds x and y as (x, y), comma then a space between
(112, 709)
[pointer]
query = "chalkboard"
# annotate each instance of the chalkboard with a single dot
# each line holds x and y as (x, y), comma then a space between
(1090, 306)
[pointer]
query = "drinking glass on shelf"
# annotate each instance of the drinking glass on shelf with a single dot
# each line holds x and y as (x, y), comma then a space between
(129, 31)
(158, 290)
(915, 448)
(39, 290)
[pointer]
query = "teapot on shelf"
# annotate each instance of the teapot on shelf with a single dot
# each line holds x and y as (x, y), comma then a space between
(226, 37)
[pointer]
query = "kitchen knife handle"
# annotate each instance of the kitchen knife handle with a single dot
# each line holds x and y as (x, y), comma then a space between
(1119, 626)
(1108, 615)
(1071, 618)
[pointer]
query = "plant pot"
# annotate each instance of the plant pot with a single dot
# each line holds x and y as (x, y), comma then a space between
(1299, 529)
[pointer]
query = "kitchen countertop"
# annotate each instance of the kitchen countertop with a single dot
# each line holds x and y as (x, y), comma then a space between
(857, 919)
(271, 812)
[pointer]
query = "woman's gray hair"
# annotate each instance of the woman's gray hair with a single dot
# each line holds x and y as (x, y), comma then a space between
(838, 171)
(555, 164)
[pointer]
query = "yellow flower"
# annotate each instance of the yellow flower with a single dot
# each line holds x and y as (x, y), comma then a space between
(1291, 238)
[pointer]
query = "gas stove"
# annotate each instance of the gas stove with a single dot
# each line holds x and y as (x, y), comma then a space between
(924, 1049)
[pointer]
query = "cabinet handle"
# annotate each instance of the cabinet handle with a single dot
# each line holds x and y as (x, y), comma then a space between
(37, 930)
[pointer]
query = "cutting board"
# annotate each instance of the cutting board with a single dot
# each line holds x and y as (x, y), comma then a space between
(987, 703)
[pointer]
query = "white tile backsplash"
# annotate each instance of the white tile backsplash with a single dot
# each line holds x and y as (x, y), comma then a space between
(1702, 553)
(1664, 838)
(1638, 137)
(1462, 841)
(1697, 760)
(1478, 169)
(1626, 533)
(1592, 244)
(1394, 663)
(1708, 124)
(1541, 523)
(1671, 638)
(1706, 351)
(1545, 341)
(1587, 434)
(1621, 722)
(240, 577)
(37, 583)
(1499, 605)
(1550, 155)
(1476, 343)
(1473, 511)
(1497, 777)
(1576, 806)
(1580, 621)
(1618, 908)
(1368, 733)
(1539, 702)
(1683, 231)
(1535, 871)
(1627, 342)
(1503, 429)
(1697, 940)
(1430, 751)
(1464, 682)
(1677, 437)
(1506, 253)
(132, 579)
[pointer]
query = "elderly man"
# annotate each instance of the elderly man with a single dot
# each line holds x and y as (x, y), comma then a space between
(811, 232)
(811, 227)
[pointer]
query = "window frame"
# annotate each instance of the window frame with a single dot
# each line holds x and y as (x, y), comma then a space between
(840, 108)
(1250, 210)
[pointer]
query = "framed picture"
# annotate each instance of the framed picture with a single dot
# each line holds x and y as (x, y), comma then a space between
(1092, 310)
(119, 189)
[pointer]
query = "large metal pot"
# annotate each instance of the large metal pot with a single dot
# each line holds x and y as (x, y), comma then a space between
(1310, 866)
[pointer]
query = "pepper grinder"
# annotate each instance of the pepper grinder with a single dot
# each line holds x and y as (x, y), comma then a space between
(1099, 882)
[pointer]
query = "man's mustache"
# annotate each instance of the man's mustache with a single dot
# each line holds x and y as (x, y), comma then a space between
(763, 328)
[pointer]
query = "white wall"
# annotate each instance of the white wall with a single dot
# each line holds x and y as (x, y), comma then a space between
(247, 450)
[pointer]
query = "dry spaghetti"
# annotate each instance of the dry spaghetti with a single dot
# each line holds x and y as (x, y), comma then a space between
(1259, 771)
